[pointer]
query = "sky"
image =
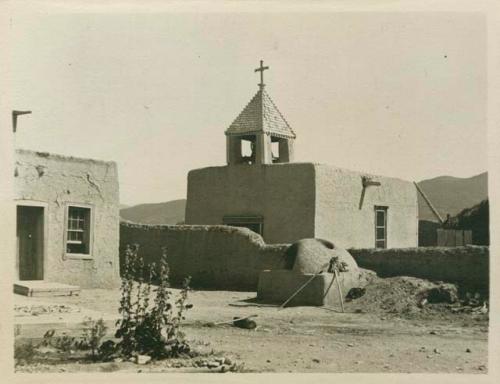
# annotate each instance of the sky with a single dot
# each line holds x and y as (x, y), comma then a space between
(394, 94)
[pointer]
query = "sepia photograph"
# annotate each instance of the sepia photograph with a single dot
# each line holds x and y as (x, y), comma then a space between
(235, 188)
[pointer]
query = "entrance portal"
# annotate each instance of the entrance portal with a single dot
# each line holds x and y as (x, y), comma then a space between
(30, 233)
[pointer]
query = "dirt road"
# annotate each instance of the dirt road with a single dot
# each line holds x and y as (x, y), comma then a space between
(313, 339)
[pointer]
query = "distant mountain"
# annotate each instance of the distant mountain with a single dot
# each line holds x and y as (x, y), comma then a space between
(450, 195)
(170, 212)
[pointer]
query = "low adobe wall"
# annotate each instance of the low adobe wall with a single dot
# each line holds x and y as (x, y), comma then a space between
(467, 266)
(216, 257)
(230, 258)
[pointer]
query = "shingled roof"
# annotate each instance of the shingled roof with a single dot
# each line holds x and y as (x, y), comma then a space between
(261, 115)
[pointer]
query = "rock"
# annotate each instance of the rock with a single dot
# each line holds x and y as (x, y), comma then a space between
(228, 361)
(355, 293)
(437, 351)
(482, 367)
(268, 361)
(244, 323)
(220, 360)
(468, 350)
(316, 361)
(350, 345)
(118, 360)
(46, 349)
(213, 364)
(433, 333)
(142, 359)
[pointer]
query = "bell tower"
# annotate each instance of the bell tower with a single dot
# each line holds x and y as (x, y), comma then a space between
(260, 134)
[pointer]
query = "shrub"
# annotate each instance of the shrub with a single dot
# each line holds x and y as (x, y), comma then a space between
(145, 328)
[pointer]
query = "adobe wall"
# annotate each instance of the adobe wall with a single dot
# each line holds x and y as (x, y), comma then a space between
(283, 194)
(340, 219)
(216, 257)
(221, 257)
(59, 181)
(467, 265)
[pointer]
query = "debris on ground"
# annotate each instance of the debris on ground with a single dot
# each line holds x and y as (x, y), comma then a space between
(246, 323)
(142, 359)
(43, 309)
(240, 322)
(222, 364)
(355, 293)
(411, 297)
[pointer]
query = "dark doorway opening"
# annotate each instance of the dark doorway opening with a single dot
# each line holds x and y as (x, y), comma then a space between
(254, 223)
(30, 233)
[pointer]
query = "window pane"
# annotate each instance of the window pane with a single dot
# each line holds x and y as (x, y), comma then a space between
(380, 233)
(380, 218)
(78, 230)
(380, 244)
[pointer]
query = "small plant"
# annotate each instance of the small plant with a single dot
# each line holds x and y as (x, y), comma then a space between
(64, 343)
(150, 328)
(24, 353)
(92, 336)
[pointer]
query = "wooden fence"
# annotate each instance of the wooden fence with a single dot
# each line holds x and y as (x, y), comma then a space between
(453, 237)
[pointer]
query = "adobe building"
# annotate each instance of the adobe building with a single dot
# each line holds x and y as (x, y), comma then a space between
(262, 189)
(67, 220)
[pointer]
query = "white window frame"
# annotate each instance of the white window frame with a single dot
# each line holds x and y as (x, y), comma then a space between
(385, 210)
(79, 256)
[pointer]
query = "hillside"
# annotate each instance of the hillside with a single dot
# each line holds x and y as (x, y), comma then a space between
(170, 212)
(450, 195)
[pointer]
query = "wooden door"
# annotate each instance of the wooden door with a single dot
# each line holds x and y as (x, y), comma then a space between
(30, 242)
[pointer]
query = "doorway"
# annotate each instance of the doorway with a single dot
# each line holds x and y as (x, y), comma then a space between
(30, 242)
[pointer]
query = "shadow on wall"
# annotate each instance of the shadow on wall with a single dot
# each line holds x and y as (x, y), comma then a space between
(216, 257)
(427, 233)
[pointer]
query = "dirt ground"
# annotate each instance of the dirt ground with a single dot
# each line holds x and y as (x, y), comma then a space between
(383, 331)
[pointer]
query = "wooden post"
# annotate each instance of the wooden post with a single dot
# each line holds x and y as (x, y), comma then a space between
(340, 290)
(434, 211)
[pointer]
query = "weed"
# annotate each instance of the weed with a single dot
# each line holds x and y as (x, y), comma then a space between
(147, 328)
(24, 353)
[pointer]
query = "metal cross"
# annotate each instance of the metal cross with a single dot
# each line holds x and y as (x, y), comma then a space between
(261, 69)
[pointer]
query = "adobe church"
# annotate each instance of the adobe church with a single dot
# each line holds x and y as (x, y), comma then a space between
(261, 188)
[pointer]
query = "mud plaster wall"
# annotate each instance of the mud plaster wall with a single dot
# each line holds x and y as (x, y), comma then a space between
(464, 265)
(282, 193)
(220, 257)
(59, 181)
(216, 257)
(340, 218)
(304, 200)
